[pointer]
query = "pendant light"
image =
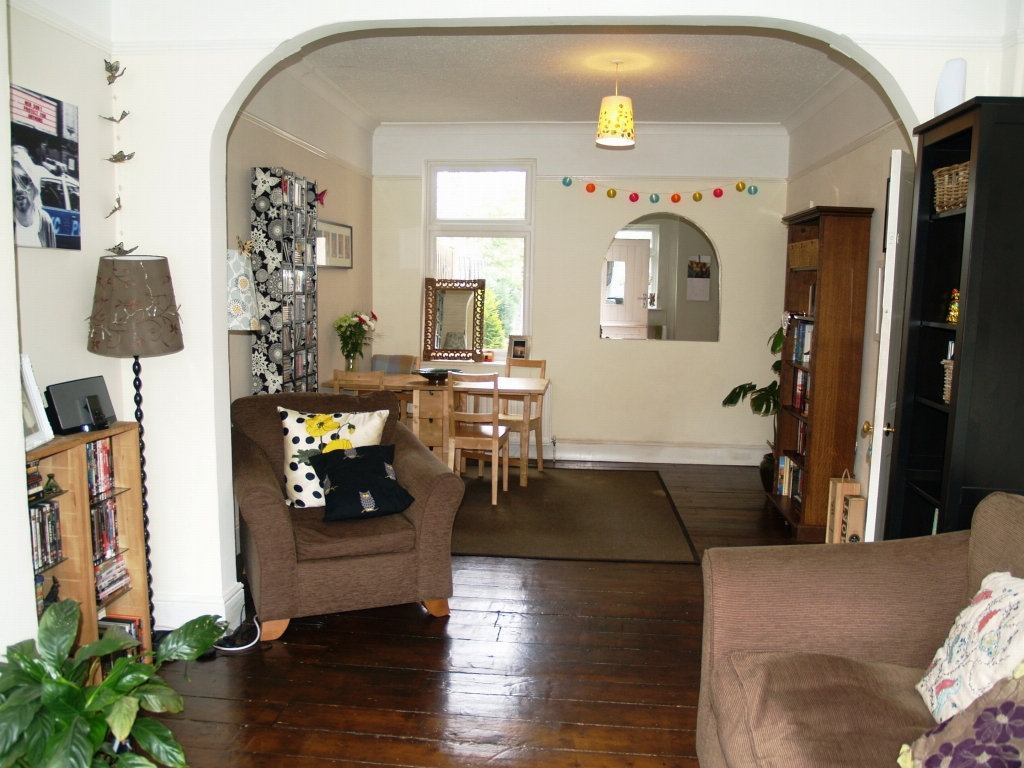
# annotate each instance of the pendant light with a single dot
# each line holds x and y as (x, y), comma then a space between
(615, 123)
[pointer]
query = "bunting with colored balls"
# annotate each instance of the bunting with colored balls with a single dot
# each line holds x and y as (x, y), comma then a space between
(655, 197)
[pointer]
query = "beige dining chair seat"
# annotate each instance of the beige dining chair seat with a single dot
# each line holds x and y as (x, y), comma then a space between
(524, 368)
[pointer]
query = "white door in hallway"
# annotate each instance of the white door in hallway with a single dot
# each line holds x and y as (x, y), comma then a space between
(897, 255)
(625, 277)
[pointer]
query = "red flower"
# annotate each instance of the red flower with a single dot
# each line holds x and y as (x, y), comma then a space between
(373, 316)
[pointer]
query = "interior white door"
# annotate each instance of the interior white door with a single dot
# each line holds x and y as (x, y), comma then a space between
(897, 240)
(624, 282)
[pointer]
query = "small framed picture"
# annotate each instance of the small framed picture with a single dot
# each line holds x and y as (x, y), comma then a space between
(37, 426)
(519, 347)
(333, 245)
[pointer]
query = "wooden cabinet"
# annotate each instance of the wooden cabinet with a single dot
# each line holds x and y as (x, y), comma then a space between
(819, 387)
(947, 456)
(66, 459)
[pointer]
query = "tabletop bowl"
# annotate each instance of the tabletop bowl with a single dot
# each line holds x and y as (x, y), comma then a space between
(436, 375)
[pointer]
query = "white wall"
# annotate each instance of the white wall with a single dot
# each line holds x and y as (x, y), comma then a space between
(188, 79)
(18, 605)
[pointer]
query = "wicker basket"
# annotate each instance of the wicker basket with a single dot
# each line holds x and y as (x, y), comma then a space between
(951, 186)
(947, 381)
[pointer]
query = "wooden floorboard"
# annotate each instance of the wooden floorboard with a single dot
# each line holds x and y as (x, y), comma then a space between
(541, 663)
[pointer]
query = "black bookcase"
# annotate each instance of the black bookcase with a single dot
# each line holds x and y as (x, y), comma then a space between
(948, 456)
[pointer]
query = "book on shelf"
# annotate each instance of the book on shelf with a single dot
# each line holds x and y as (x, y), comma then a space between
(803, 334)
(111, 576)
(100, 467)
(802, 430)
(34, 479)
(801, 392)
(47, 542)
(130, 624)
(103, 517)
(797, 486)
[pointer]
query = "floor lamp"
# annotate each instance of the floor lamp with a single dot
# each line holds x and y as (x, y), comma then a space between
(134, 314)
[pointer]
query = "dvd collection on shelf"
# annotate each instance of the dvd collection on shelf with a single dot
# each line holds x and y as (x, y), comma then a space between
(130, 624)
(801, 392)
(109, 567)
(45, 530)
(791, 480)
(803, 335)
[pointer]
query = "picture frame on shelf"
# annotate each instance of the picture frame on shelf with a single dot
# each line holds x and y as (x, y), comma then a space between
(37, 426)
(333, 245)
(519, 347)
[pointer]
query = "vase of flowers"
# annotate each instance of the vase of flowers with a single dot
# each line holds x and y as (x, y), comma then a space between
(355, 331)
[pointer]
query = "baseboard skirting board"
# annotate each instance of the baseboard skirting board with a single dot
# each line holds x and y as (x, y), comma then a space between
(657, 453)
(172, 611)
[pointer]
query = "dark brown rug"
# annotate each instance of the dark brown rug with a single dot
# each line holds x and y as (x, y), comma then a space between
(572, 514)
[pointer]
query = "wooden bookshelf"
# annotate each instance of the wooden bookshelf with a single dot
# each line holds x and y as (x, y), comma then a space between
(947, 456)
(838, 279)
(65, 458)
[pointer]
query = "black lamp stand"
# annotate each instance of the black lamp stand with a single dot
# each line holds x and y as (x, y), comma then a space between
(137, 383)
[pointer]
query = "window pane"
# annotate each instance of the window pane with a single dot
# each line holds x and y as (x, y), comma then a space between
(481, 195)
(498, 260)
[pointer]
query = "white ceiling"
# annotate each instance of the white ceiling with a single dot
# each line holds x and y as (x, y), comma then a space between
(671, 77)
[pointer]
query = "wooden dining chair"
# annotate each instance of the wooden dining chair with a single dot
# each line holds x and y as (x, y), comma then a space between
(477, 432)
(514, 421)
(357, 382)
(398, 364)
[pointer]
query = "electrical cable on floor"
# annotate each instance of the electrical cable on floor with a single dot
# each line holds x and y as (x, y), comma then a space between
(241, 640)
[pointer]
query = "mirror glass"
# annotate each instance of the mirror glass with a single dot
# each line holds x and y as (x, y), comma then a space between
(453, 319)
(660, 279)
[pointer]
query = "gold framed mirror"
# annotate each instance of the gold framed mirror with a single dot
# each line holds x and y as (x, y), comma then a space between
(453, 324)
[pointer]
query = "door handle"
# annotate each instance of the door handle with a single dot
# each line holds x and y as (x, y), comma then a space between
(867, 428)
(888, 430)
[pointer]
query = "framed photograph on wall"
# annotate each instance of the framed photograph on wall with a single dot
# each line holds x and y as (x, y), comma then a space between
(519, 347)
(44, 165)
(333, 244)
(37, 426)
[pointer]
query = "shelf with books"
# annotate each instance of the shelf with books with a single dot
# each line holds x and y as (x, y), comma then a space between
(819, 380)
(960, 419)
(85, 465)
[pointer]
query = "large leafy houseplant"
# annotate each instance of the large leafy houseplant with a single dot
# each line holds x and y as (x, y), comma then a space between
(764, 401)
(50, 716)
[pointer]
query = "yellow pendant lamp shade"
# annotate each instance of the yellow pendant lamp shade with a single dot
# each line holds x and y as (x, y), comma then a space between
(615, 123)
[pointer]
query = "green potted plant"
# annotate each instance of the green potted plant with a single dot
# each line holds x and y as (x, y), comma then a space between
(51, 716)
(764, 401)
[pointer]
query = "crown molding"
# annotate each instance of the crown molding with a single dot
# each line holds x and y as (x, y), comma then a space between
(845, 150)
(62, 23)
(281, 133)
(835, 87)
(318, 84)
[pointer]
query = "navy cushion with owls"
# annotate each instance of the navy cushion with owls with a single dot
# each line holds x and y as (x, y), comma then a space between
(360, 483)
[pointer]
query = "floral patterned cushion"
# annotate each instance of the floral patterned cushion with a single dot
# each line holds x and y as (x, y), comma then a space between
(989, 732)
(984, 646)
(307, 434)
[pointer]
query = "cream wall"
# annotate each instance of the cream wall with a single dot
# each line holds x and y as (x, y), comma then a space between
(616, 399)
(349, 192)
(186, 83)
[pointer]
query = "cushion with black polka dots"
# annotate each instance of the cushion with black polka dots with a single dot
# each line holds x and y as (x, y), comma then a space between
(307, 434)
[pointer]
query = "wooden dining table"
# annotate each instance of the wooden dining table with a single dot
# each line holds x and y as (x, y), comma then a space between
(430, 407)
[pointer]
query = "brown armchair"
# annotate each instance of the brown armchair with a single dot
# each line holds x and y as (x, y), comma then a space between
(298, 565)
(811, 654)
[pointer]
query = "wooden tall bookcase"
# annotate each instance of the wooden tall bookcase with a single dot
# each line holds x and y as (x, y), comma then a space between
(948, 456)
(828, 258)
(65, 458)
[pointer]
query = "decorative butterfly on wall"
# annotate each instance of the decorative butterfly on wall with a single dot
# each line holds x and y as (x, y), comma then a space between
(114, 70)
(118, 250)
(120, 157)
(124, 114)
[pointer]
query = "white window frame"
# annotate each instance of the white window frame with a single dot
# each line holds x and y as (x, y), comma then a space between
(482, 227)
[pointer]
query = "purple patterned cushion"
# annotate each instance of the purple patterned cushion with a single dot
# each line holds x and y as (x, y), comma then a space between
(989, 732)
